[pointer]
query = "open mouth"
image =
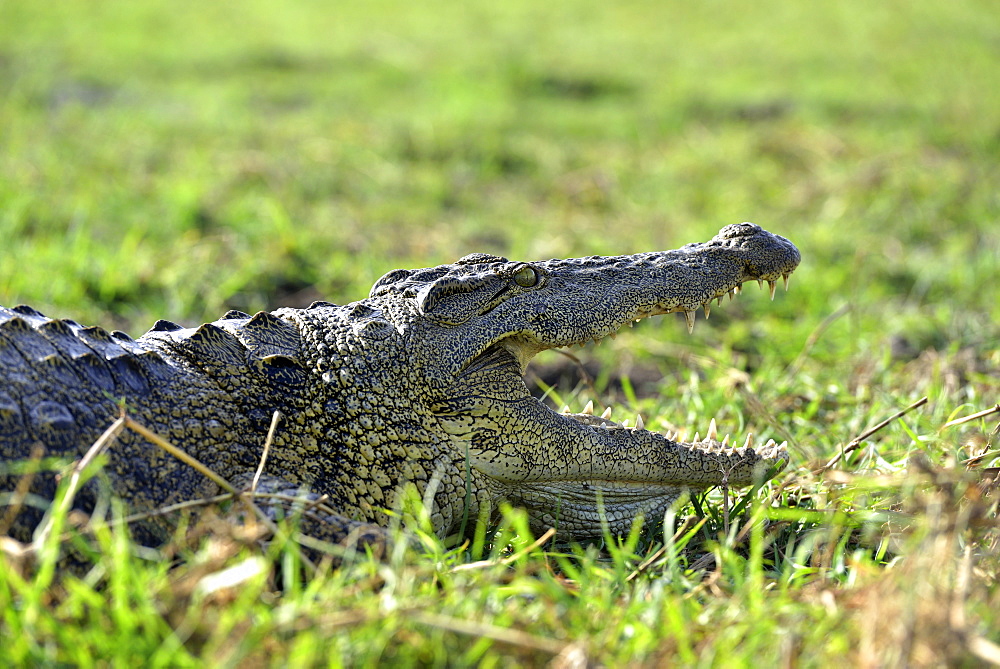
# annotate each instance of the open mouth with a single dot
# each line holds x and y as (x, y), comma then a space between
(510, 351)
(624, 462)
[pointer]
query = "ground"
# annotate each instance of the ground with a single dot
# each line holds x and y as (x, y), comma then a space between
(177, 159)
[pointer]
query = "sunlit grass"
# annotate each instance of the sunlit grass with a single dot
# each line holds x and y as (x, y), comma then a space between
(175, 160)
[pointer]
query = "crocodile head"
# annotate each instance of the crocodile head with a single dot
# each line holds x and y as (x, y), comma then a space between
(480, 321)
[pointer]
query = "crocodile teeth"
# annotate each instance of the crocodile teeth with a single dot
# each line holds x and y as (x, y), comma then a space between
(589, 409)
(613, 335)
(607, 414)
(565, 409)
(749, 442)
(712, 430)
(708, 309)
(725, 441)
(718, 300)
(689, 317)
(639, 424)
(737, 290)
(785, 279)
(772, 285)
(697, 438)
(760, 284)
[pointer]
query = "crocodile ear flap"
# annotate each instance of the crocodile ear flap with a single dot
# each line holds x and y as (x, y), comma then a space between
(454, 300)
(390, 280)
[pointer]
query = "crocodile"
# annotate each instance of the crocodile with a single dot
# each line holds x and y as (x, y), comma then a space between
(421, 382)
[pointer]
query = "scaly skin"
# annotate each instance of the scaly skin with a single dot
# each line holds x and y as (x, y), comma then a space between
(421, 382)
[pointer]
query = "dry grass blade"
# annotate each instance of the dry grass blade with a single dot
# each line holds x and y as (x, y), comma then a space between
(98, 447)
(972, 417)
(246, 499)
(180, 454)
(231, 492)
(725, 502)
(585, 377)
(482, 564)
(813, 339)
(854, 443)
(173, 508)
(505, 635)
(985, 650)
(318, 504)
(275, 419)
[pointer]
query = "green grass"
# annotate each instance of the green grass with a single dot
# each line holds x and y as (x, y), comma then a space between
(177, 159)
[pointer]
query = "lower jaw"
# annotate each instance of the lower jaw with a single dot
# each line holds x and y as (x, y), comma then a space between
(587, 518)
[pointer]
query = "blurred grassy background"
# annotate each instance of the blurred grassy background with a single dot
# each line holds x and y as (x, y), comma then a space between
(176, 159)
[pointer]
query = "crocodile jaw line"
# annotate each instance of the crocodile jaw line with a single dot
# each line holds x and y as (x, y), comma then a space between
(601, 430)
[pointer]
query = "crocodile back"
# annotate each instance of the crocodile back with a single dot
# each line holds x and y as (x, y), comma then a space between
(62, 385)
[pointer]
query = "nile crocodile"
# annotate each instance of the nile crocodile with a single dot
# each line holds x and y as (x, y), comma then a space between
(420, 382)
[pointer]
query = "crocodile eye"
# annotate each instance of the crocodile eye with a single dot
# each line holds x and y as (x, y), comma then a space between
(526, 277)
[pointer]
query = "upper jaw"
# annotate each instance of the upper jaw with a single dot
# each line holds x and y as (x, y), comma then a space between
(524, 345)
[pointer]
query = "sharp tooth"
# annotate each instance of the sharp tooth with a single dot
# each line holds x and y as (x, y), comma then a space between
(785, 278)
(613, 335)
(689, 316)
(589, 409)
(639, 425)
(565, 409)
(738, 289)
(760, 284)
(725, 441)
(607, 414)
(772, 285)
(696, 439)
(625, 423)
(712, 430)
(718, 300)
(708, 309)
(669, 435)
(749, 442)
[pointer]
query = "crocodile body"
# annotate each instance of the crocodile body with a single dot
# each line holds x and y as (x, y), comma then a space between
(420, 382)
